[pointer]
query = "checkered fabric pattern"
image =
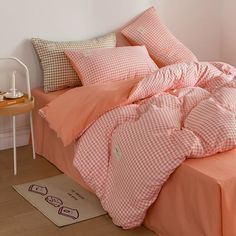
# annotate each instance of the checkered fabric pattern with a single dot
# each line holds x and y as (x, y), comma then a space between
(130, 151)
(162, 46)
(110, 64)
(57, 70)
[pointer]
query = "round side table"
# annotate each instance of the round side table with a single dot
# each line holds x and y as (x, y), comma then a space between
(18, 109)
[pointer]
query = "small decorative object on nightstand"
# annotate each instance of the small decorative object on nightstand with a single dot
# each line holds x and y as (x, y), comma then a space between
(17, 103)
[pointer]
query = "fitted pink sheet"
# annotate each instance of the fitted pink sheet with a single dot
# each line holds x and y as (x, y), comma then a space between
(198, 199)
(46, 142)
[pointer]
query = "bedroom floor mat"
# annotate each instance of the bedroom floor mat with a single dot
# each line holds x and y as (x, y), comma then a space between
(61, 200)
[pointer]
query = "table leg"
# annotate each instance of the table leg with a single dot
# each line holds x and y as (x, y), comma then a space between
(14, 143)
(32, 134)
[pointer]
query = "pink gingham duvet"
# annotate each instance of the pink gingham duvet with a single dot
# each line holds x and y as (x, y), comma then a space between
(126, 155)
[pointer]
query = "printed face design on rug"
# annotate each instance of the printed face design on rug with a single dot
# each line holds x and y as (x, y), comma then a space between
(38, 189)
(69, 212)
(54, 201)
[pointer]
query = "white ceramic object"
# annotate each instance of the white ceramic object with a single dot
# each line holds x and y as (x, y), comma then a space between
(13, 94)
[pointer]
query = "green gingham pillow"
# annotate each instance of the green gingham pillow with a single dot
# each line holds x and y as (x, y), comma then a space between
(57, 70)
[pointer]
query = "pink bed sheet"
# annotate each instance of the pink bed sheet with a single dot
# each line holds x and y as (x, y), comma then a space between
(46, 142)
(198, 199)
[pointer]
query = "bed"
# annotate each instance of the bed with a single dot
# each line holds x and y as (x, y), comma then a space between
(142, 110)
(198, 198)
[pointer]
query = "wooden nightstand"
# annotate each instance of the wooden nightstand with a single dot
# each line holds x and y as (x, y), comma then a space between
(20, 108)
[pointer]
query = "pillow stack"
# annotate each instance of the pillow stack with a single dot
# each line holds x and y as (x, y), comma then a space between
(67, 64)
(57, 70)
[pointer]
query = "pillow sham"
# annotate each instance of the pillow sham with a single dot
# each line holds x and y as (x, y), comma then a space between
(110, 64)
(162, 46)
(57, 71)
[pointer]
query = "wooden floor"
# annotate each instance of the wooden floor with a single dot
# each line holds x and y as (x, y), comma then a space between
(19, 218)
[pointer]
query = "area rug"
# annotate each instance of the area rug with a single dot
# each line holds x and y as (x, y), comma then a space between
(61, 199)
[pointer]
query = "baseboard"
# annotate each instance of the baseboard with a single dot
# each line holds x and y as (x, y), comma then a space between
(22, 138)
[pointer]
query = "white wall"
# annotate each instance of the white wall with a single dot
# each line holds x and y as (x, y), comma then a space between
(193, 24)
(228, 31)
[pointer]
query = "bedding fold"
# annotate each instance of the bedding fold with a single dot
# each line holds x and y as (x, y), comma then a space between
(74, 111)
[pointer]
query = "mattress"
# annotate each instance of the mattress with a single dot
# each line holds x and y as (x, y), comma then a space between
(198, 199)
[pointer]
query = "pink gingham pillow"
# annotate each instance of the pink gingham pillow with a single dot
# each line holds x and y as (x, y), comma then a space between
(162, 46)
(110, 64)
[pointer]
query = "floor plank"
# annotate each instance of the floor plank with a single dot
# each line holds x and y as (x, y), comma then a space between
(19, 218)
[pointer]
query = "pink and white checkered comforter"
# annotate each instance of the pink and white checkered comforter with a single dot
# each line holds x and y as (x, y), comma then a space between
(182, 111)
